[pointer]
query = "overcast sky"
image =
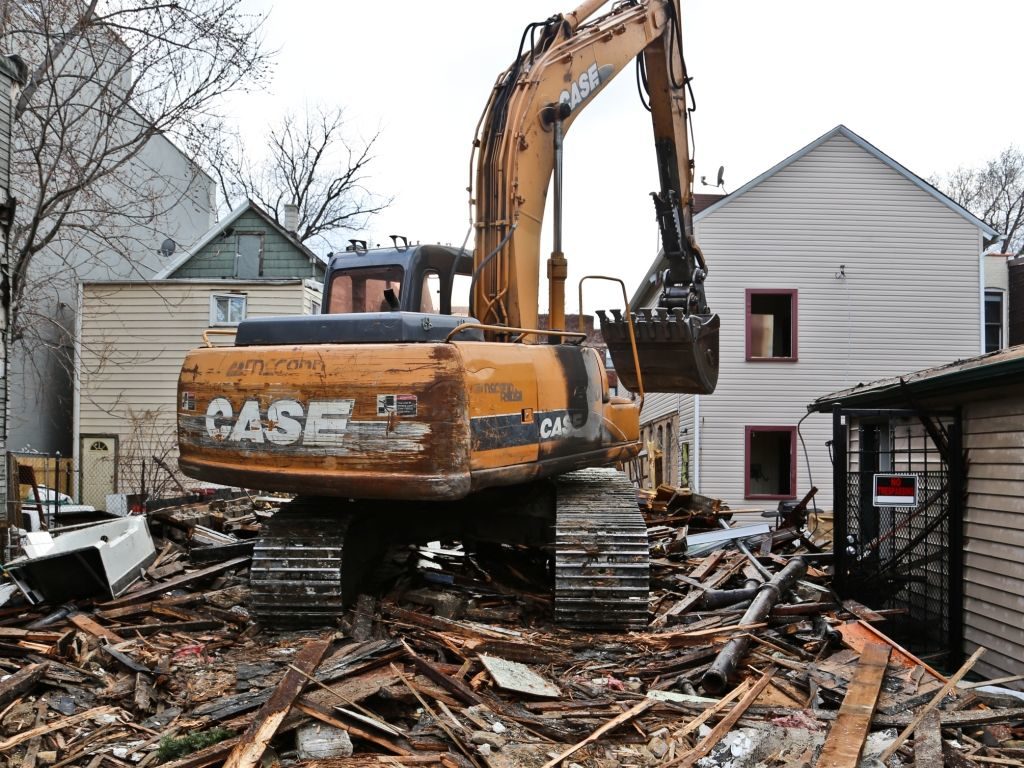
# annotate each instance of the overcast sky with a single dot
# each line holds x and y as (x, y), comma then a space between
(934, 84)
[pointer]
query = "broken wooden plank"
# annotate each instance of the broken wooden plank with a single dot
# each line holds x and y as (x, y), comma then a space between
(706, 744)
(846, 737)
(615, 722)
(87, 625)
(519, 678)
(175, 583)
(261, 730)
(949, 686)
(20, 682)
(928, 740)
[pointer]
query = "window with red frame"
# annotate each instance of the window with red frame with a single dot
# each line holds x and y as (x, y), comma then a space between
(771, 324)
(770, 463)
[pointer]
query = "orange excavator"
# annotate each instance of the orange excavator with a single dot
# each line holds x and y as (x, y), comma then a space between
(396, 417)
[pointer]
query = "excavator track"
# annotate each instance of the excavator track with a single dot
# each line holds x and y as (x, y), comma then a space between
(296, 579)
(602, 556)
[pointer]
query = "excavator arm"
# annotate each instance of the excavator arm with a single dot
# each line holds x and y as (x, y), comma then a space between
(562, 64)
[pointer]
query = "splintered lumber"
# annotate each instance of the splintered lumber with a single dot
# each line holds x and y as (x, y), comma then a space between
(89, 626)
(359, 733)
(456, 739)
(261, 730)
(713, 710)
(20, 682)
(726, 723)
(615, 722)
(846, 737)
(52, 726)
(936, 700)
(175, 583)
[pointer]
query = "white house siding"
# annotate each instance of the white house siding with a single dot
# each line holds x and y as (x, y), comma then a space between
(909, 300)
(132, 341)
(994, 535)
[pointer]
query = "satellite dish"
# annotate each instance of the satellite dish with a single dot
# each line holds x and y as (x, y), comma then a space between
(167, 247)
(721, 176)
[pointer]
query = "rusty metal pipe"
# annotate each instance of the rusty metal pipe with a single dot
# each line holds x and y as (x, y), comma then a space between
(716, 678)
(720, 598)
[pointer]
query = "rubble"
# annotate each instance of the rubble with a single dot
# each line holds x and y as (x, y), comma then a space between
(749, 659)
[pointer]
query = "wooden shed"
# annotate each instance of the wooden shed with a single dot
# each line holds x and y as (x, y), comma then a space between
(973, 412)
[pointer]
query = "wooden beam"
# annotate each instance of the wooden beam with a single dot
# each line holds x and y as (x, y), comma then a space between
(261, 730)
(359, 733)
(936, 700)
(87, 625)
(20, 683)
(928, 741)
(846, 737)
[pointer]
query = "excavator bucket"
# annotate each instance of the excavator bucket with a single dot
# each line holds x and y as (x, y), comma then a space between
(677, 352)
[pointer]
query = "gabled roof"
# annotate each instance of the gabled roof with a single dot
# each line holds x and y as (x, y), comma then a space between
(220, 227)
(842, 130)
(839, 130)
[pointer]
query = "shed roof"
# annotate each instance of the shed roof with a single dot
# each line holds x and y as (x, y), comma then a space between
(957, 381)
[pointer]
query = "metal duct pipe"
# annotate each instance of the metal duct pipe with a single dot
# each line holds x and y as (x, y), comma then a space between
(720, 598)
(717, 678)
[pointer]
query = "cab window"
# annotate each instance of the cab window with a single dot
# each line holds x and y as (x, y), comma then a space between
(366, 289)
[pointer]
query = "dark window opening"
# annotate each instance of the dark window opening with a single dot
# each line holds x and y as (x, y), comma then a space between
(993, 320)
(771, 463)
(771, 325)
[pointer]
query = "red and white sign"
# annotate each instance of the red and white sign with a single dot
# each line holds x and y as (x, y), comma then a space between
(895, 490)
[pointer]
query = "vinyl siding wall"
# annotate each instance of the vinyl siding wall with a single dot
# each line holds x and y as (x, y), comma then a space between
(910, 298)
(994, 535)
(132, 341)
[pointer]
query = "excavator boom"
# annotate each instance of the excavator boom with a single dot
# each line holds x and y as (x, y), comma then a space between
(532, 106)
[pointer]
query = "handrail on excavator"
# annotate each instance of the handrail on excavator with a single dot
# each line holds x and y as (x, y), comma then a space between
(507, 329)
(217, 332)
(629, 321)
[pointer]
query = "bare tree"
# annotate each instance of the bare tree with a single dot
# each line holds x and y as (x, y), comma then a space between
(994, 193)
(310, 163)
(110, 85)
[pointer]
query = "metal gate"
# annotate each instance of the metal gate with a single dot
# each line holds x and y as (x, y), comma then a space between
(905, 558)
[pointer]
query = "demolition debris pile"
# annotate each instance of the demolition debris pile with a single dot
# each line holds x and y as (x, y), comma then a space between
(750, 659)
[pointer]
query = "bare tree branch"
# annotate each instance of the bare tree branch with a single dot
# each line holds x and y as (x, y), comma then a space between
(309, 163)
(994, 193)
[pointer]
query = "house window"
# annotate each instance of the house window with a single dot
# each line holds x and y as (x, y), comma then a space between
(771, 323)
(248, 255)
(227, 309)
(993, 320)
(770, 463)
(314, 307)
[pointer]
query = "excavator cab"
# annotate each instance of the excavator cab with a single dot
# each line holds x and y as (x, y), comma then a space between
(413, 278)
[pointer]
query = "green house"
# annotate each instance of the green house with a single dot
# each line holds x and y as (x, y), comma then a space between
(247, 244)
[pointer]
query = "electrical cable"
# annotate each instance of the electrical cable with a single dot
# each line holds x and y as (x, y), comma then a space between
(807, 461)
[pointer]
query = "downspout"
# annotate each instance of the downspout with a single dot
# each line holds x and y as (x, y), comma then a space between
(76, 416)
(696, 443)
(981, 299)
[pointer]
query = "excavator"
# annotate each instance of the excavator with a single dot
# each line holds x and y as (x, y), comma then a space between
(397, 416)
